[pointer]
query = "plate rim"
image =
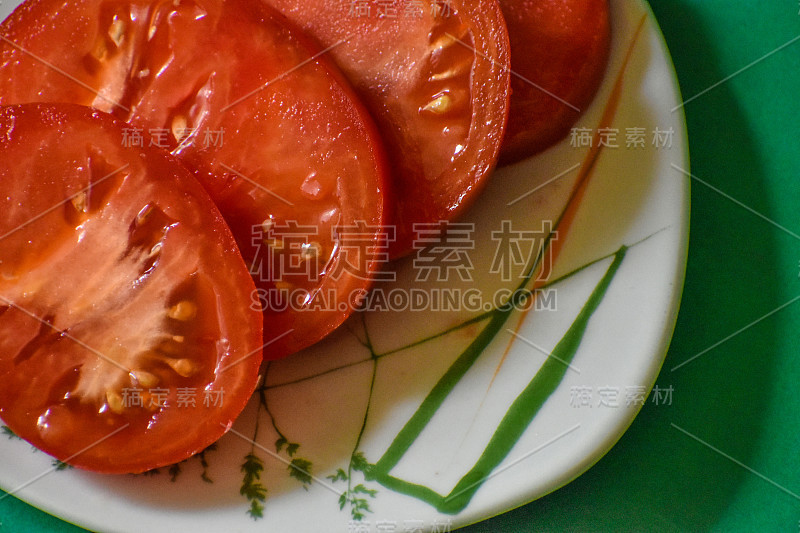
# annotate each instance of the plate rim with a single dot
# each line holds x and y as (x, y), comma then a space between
(657, 362)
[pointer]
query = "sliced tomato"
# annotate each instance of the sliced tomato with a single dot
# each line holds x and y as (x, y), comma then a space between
(272, 130)
(559, 52)
(124, 344)
(435, 76)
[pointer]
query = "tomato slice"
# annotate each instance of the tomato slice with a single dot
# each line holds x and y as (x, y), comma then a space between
(435, 76)
(124, 344)
(269, 125)
(559, 52)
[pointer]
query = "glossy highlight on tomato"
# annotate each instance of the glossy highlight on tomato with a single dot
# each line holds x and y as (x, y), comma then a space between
(435, 76)
(123, 342)
(254, 108)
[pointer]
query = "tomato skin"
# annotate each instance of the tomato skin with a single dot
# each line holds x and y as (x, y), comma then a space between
(437, 83)
(560, 47)
(116, 273)
(295, 145)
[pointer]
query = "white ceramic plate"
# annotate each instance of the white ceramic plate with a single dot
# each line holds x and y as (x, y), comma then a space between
(423, 413)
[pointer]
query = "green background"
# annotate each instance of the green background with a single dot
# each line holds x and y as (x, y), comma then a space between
(740, 397)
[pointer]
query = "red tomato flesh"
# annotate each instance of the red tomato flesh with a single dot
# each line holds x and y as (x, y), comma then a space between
(435, 76)
(271, 128)
(121, 293)
(559, 52)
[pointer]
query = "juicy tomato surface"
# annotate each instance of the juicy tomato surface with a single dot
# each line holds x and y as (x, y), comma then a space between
(123, 342)
(435, 76)
(269, 125)
(559, 52)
